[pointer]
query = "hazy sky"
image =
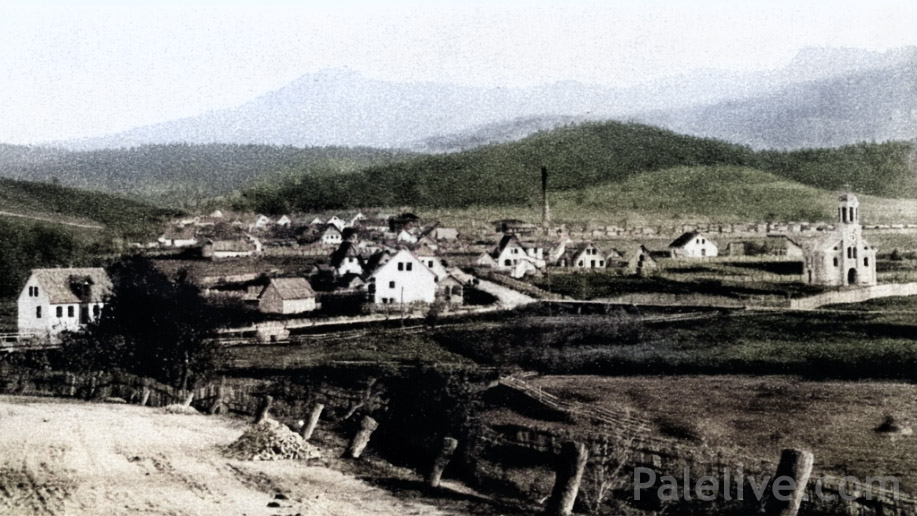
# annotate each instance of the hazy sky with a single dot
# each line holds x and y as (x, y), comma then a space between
(73, 68)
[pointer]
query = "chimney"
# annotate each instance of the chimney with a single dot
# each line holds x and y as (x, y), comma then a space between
(546, 211)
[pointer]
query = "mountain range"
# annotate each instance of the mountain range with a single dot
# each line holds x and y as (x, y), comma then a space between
(823, 97)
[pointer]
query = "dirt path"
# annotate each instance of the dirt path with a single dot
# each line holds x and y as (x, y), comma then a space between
(507, 297)
(47, 219)
(81, 459)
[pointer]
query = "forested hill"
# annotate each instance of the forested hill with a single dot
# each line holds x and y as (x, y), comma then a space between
(578, 157)
(182, 174)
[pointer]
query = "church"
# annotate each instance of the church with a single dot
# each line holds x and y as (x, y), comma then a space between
(842, 257)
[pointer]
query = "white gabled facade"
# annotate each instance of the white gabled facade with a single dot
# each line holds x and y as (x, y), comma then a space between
(693, 245)
(403, 279)
(332, 235)
(57, 300)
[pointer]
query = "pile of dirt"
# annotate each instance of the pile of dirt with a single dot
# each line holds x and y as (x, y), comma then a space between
(270, 440)
(178, 408)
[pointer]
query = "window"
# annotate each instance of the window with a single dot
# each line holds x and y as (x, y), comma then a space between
(601, 263)
(60, 312)
(430, 263)
(703, 252)
(507, 262)
(835, 261)
(866, 261)
(38, 312)
(391, 284)
(96, 310)
(400, 266)
(69, 311)
(580, 263)
(409, 265)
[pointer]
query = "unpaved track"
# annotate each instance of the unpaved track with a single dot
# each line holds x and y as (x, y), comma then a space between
(85, 459)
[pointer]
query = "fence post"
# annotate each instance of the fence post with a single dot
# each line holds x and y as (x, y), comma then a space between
(217, 406)
(795, 465)
(441, 461)
(188, 399)
(262, 413)
(570, 466)
(367, 426)
(313, 421)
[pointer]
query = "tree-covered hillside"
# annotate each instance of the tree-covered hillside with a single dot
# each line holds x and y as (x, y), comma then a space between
(578, 157)
(180, 174)
(508, 174)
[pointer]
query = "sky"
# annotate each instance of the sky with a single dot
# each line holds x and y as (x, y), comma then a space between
(76, 68)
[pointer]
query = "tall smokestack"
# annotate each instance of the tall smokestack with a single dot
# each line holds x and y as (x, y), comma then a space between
(546, 211)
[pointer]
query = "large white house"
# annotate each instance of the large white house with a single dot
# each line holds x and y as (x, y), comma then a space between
(842, 257)
(402, 279)
(58, 300)
(693, 244)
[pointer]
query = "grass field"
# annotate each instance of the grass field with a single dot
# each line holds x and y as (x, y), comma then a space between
(819, 345)
(759, 416)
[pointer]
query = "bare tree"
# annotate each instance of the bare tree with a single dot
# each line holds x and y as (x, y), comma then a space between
(605, 472)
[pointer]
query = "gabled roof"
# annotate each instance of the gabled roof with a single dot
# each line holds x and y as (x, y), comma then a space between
(346, 249)
(292, 288)
(74, 285)
(687, 237)
(401, 252)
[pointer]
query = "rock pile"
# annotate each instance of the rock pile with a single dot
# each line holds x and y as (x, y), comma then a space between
(270, 440)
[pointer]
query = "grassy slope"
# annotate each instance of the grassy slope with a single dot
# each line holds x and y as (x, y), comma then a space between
(690, 194)
(56, 202)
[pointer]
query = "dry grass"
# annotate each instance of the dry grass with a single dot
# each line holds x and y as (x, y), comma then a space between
(759, 416)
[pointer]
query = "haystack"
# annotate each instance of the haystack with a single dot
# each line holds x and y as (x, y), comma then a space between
(270, 440)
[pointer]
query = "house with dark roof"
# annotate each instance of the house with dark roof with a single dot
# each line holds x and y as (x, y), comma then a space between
(57, 300)
(347, 259)
(287, 296)
(693, 244)
(584, 256)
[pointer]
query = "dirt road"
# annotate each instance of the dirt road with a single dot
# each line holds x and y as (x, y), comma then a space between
(81, 459)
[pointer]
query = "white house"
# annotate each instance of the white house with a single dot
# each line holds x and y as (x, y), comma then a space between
(402, 279)
(284, 221)
(405, 237)
(238, 248)
(287, 296)
(585, 256)
(176, 236)
(331, 235)
(842, 257)
(262, 222)
(337, 222)
(59, 300)
(511, 251)
(347, 259)
(693, 244)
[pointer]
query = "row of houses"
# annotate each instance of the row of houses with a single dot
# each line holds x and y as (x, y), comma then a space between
(519, 257)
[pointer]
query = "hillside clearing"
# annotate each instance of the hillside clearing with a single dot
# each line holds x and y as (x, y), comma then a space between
(66, 458)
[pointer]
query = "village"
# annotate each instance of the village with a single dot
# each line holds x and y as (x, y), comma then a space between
(300, 269)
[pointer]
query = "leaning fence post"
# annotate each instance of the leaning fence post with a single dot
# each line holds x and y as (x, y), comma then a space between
(570, 466)
(795, 465)
(367, 426)
(313, 421)
(217, 406)
(262, 413)
(441, 461)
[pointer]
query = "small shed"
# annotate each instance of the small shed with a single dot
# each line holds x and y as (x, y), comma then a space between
(287, 296)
